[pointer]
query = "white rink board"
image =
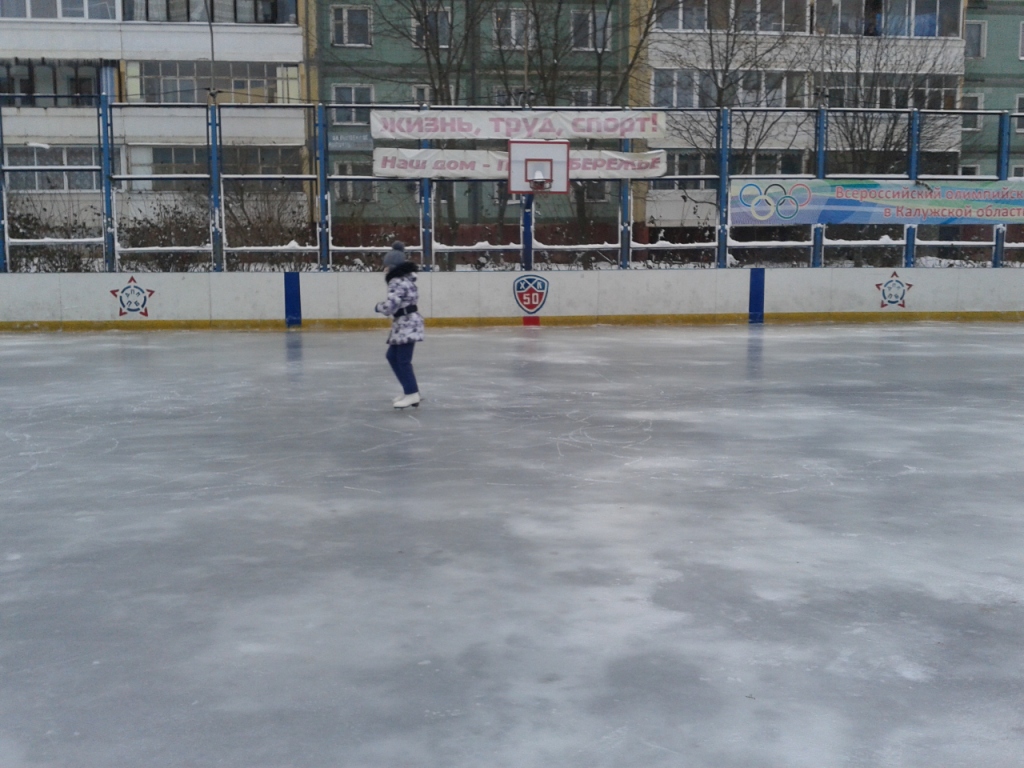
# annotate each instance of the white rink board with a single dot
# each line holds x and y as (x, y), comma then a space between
(236, 296)
(838, 291)
(580, 297)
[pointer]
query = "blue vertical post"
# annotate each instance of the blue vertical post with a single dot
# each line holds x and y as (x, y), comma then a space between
(527, 236)
(913, 164)
(427, 225)
(106, 161)
(427, 218)
(323, 188)
(1003, 170)
(3, 199)
(625, 216)
(216, 216)
(820, 147)
(723, 188)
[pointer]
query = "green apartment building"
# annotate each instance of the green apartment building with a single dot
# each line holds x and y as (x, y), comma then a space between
(469, 53)
(993, 79)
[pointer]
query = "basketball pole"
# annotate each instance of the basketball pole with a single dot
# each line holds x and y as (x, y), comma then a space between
(526, 263)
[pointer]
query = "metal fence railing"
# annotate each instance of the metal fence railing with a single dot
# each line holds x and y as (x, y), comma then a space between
(219, 187)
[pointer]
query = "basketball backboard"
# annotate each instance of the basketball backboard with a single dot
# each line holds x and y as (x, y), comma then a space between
(538, 166)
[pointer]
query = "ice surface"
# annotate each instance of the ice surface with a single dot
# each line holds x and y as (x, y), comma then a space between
(589, 548)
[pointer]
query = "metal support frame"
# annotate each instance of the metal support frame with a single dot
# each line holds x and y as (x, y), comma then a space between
(216, 201)
(723, 188)
(426, 218)
(913, 166)
(625, 215)
(323, 188)
(3, 200)
(1003, 171)
(218, 245)
(820, 148)
(107, 156)
(526, 233)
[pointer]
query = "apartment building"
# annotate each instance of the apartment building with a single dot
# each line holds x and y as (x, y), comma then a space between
(484, 53)
(58, 56)
(993, 79)
(800, 55)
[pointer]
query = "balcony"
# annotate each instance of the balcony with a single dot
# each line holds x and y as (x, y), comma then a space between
(139, 40)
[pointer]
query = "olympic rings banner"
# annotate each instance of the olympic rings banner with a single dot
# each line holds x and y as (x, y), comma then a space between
(778, 202)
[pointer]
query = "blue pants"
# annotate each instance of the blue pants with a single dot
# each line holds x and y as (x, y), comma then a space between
(400, 357)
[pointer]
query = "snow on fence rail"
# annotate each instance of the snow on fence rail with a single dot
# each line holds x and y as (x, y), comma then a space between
(279, 187)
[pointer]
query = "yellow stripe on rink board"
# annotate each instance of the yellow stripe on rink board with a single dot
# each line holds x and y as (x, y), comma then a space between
(365, 324)
(889, 316)
(142, 325)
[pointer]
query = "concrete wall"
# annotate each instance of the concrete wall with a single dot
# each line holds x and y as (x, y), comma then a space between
(346, 300)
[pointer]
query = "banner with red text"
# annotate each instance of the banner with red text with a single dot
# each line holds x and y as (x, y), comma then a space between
(486, 164)
(525, 124)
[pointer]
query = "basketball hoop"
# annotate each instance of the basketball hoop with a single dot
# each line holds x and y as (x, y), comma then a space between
(540, 183)
(538, 166)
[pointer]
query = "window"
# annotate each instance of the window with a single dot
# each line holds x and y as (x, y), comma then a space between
(796, 89)
(351, 26)
(1020, 109)
(590, 30)
(188, 82)
(434, 28)
(354, 190)
(58, 9)
(1017, 172)
(53, 181)
(422, 94)
(743, 15)
(262, 160)
(888, 90)
(587, 97)
(512, 28)
(501, 195)
(680, 164)
(49, 84)
(975, 34)
(592, 191)
(690, 88)
(168, 160)
(352, 95)
(224, 11)
(503, 97)
(443, 191)
(893, 18)
(675, 87)
(972, 101)
(970, 170)
(682, 14)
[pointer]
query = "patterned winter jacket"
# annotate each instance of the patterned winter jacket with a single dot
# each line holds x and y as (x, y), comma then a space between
(402, 292)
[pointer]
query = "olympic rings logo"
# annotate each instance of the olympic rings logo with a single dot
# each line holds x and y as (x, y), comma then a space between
(775, 200)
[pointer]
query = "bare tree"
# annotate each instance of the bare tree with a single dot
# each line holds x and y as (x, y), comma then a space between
(557, 52)
(860, 76)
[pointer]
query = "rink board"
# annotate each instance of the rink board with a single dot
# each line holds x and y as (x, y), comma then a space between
(346, 300)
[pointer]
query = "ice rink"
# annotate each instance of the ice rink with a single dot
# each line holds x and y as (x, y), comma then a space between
(726, 547)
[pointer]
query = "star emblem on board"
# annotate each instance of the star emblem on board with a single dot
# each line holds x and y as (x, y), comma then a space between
(133, 299)
(894, 292)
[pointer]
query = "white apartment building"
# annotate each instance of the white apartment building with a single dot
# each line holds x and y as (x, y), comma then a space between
(57, 56)
(800, 54)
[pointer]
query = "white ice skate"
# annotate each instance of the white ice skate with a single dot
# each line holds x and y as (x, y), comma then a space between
(406, 400)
